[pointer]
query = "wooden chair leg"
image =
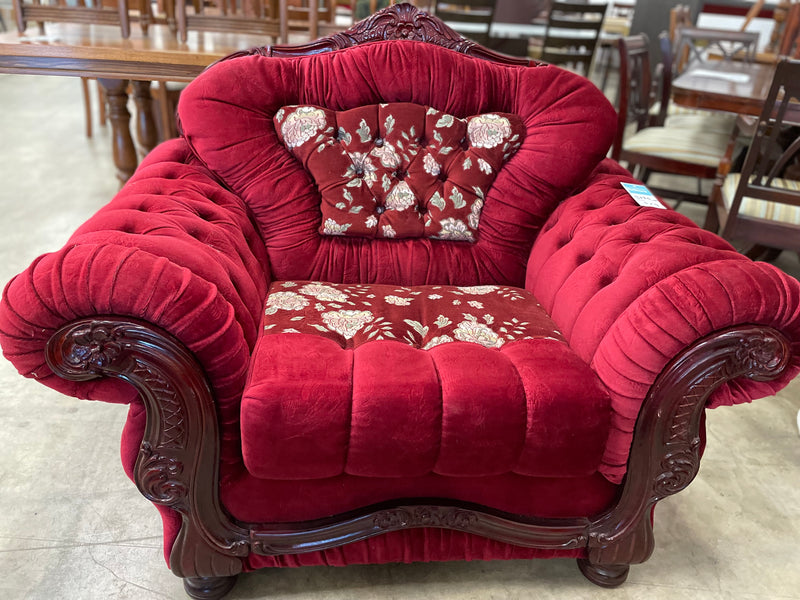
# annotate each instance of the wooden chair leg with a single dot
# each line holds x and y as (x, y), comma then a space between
(101, 105)
(87, 106)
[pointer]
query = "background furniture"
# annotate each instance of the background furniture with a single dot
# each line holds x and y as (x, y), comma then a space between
(256, 17)
(760, 206)
(478, 13)
(573, 29)
(219, 233)
(76, 50)
(705, 45)
(690, 145)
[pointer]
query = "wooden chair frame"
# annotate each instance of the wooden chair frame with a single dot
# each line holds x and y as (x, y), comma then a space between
(765, 161)
(635, 102)
(565, 40)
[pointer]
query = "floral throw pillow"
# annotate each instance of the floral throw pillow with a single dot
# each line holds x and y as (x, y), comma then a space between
(400, 170)
(421, 316)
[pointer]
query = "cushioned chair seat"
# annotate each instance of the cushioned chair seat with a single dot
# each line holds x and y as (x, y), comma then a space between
(703, 120)
(763, 209)
(388, 381)
(693, 145)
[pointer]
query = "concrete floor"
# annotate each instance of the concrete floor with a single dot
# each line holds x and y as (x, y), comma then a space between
(73, 526)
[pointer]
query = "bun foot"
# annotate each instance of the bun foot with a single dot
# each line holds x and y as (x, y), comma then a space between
(208, 588)
(607, 576)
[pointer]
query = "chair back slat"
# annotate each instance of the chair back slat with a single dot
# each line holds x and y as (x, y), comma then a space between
(572, 32)
(259, 17)
(470, 13)
(60, 11)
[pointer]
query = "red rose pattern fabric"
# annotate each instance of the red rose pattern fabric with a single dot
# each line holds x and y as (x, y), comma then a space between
(400, 170)
(423, 316)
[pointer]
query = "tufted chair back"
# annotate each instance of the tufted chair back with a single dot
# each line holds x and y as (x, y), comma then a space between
(399, 161)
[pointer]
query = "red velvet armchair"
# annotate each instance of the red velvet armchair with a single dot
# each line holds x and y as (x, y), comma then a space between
(385, 300)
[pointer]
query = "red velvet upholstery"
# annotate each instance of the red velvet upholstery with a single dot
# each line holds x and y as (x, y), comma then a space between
(315, 405)
(630, 287)
(569, 126)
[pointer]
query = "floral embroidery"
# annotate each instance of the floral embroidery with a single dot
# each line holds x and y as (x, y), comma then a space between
(453, 229)
(442, 339)
(388, 231)
(397, 300)
(324, 293)
(387, 155)
(349, 313)
(301, 125)
(431, 166)
(334, 228)
(488, 131)
(285, 301)
(477, 333)
(371, 221)
(347, 322)
(401, 197)
(479, 290)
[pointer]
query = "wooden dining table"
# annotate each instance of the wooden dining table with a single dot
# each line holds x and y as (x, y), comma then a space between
(736, 87)
(98, 51)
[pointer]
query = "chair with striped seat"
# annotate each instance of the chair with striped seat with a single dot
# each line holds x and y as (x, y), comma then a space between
(760, 207)
(691, 145)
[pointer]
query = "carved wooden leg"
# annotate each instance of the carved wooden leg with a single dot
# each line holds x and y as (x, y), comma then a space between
(608, 576)
(124, 150)
(146, 133)
(208, 588)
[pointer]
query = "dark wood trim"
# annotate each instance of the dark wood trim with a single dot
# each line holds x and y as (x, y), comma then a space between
(178, 459)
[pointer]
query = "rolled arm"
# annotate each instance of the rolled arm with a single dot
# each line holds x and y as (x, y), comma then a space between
(631, 287)
(174, 249)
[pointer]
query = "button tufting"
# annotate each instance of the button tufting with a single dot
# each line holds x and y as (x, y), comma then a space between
(379, 142)
(400, 175)
(380, 209)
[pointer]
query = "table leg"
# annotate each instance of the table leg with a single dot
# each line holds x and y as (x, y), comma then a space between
(146, 133)
(124, 150)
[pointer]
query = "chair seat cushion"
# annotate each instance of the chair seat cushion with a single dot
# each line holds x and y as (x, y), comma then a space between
(387, 381)
(692, 145)
(763, 209)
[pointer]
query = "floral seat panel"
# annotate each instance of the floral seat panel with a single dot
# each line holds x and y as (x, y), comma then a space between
(400, 170)
(393, 381)
(422, 316)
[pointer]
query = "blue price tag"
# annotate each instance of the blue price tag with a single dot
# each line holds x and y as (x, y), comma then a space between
(642, 195)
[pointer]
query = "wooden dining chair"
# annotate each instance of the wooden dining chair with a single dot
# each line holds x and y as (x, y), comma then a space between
(647, 140)
(471, 18)
(760, 206)
(616, 24)
(114, 12)
(571, 35)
